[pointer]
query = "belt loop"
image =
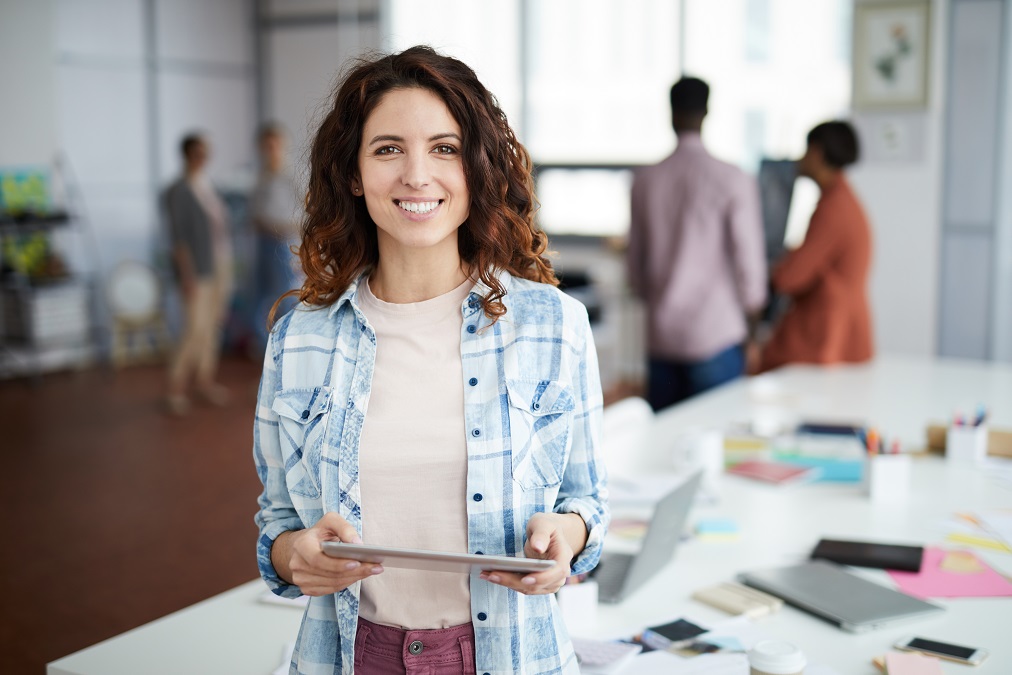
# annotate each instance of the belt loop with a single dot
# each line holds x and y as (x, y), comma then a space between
(467, 654)
(360, 639)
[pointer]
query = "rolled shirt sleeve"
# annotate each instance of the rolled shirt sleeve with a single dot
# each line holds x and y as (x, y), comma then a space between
(277, 514)
(584, 489)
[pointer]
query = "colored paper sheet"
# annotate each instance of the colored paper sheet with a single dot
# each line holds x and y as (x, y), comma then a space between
(912, 664)
(935, 581)
(976, 540)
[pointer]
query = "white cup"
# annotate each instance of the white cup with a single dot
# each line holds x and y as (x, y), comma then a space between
(700, 449)
(966, 443)
(887, 477)
(775, 657)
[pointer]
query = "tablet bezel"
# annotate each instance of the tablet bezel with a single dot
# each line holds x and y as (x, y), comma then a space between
(434, 561)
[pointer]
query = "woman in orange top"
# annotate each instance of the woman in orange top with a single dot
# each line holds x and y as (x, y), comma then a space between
(826, 277)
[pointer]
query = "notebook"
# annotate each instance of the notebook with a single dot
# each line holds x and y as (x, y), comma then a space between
(619, 574)
(834, 594)
(773, 472)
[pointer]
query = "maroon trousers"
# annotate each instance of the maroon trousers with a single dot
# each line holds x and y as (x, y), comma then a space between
(382, 650)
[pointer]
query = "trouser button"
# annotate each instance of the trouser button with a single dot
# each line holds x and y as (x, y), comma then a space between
(415, 647)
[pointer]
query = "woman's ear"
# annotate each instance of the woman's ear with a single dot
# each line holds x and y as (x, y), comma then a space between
(356, 186)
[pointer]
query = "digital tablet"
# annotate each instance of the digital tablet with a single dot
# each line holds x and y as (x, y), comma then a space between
(434, 561)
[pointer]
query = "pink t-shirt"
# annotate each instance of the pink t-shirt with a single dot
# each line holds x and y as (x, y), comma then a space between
(413, 458)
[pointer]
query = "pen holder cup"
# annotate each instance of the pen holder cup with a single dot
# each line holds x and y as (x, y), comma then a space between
(887, 477)
(966, 443)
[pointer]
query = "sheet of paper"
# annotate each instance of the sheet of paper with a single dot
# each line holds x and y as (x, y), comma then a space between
(640, 490)
(933, 581)
(663, 663)
(998, 523)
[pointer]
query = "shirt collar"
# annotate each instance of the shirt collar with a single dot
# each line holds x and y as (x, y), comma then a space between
(689, 139)
(480, 290)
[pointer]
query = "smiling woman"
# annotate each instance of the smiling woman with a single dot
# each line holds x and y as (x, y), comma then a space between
(433, 390)
(412, 178)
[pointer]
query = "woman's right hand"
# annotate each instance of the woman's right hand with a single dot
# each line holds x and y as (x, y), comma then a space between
(316, 573)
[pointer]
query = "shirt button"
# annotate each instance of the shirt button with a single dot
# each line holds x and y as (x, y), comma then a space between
(478, 553)
(476, 432)
(537, 406)
(473, 381)
(482, 616)
(416, 647)
(472, 328)
(477, 497)
(305, 414)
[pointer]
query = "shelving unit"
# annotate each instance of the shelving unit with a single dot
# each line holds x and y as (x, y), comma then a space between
(46, 322)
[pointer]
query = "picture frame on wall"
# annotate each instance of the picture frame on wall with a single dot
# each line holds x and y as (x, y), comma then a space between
(892, 53)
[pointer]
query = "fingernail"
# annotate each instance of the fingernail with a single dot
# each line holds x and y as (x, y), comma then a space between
(356, 539)
(377, 570)
(350, 565)
(527, 580)
(494, 578)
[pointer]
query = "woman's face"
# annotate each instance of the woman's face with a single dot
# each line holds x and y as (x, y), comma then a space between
(811, 162)
(412, 174)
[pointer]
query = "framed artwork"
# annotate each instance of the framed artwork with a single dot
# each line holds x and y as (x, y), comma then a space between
(891, 54)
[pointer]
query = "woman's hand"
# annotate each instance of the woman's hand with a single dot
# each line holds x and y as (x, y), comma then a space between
(550, 536)
(298, 558)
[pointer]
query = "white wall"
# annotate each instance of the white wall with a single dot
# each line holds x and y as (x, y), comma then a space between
(306, 44)
(28, 134)
(1001, 300)
(133, 77)
(903, 200)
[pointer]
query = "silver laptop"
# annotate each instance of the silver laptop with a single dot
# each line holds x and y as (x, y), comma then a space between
(619, 574)
(831, 592)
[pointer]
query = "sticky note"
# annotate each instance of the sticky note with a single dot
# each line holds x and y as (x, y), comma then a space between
(961, 562)
(912, 664)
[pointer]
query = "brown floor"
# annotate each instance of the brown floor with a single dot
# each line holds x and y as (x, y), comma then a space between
(113, 513)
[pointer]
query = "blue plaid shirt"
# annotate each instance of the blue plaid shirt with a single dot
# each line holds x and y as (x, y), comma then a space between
(532, 410)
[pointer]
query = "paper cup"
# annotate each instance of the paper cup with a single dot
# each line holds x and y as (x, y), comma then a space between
(775, 657)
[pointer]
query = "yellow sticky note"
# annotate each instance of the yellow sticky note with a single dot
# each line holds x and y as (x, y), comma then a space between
(961, 562)
(976, 540)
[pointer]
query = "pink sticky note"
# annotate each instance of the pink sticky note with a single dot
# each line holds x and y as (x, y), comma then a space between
(935, 582)
(912, 664)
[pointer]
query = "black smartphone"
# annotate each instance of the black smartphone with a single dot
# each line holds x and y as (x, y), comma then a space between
(870, 554)
(944, 650)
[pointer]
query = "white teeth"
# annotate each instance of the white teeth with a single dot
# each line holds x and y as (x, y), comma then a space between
(418, 207)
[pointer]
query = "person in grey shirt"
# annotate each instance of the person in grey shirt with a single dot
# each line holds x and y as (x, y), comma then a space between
(202, 257)
(275, 210)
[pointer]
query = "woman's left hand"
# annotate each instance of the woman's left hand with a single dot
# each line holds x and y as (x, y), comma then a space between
(549, 537)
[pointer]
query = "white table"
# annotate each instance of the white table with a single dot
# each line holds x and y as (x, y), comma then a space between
(234, 632)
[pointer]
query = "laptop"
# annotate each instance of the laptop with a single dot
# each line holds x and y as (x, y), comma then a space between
(832, 593)
(619, 574)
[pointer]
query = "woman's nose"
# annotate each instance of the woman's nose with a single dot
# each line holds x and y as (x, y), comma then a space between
(417, 173)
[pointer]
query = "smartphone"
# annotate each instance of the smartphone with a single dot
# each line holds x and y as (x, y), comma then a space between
(943, 650)
(870, 554)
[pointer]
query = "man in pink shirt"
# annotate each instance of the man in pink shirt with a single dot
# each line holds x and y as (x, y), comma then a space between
(696, 257)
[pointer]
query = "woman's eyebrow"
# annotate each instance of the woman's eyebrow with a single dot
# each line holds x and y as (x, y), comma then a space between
(384, 138)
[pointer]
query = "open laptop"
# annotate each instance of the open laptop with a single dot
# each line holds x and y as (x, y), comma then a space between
(619, 574)
(832, 593)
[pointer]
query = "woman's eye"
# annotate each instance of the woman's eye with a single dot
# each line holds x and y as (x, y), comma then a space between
(444, 149)
(387, 150)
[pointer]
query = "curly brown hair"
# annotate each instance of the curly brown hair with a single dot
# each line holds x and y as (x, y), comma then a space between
(339, 237)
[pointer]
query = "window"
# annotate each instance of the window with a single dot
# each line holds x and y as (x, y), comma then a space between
(585, 82)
